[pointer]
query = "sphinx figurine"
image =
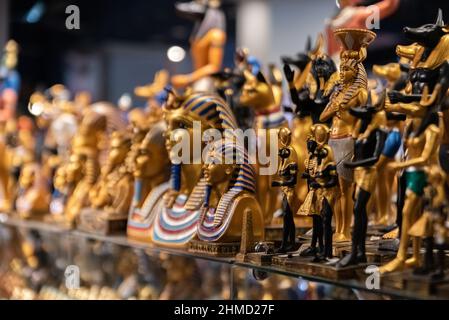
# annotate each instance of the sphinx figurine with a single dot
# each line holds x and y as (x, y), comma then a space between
(258, 94)
(371, 136)
(352, 91)
(424, 96)
(206, 43)
(229, 194)
(33, 198)
(151, 168)
(323, 192)
(110, 197)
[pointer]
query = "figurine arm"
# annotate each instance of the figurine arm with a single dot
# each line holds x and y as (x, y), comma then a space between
(328, 112)
(381, 136)
(432, 134)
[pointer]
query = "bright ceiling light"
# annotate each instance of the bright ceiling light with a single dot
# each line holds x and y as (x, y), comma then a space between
(176, 54)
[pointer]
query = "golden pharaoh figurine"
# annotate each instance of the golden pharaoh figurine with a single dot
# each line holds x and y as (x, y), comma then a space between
(258, 94)
(33, 197)
(206, 43)
(110, 197)
(180, 203)
(151, 171)
(351, 92)
(230, 191)
(83, 168)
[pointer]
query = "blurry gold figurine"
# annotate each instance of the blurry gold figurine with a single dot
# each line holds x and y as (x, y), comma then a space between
(33, 197)
(257, 93)
(83, 168)
(206, 43)
(110, 198)
(351, 92)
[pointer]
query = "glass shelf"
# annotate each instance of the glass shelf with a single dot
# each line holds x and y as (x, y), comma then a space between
(355, 285)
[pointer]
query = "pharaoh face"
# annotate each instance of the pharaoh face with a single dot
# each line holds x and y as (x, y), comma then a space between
(151, 160)
(119, 149)
(347, 73)
(217, 173)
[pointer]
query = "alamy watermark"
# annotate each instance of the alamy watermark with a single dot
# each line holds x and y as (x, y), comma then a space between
(72, 22)
(372, 282)
(72, 277)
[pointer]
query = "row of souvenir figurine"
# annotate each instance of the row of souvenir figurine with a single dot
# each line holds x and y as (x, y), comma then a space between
(103, 169)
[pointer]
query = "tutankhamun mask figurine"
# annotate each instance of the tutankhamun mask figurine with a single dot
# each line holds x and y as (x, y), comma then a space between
(206, 43)
(9, 82)
(151, 168)
(323, 192)
(351, 92)
(229, 193)
(258, 94)
(425, 93)
(193, 114)
(33, 197)
(110, 197)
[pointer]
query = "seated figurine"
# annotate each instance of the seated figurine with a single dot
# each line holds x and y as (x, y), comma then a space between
(33, 197)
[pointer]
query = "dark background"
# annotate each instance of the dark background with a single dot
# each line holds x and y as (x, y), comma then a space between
(45, 42)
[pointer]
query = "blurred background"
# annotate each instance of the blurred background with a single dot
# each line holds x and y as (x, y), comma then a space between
(122, 43)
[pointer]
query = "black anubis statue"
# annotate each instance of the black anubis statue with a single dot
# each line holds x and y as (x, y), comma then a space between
(429, 73)
(311, 101)
(367, 151)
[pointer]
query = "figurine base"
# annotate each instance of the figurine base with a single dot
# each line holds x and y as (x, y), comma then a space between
(214, 249)
(305, 265)
(274, 233)
(423, 284)
(100, 222)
